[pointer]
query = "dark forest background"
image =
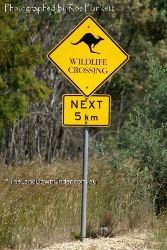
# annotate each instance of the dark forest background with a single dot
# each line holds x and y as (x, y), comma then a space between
(31, 88)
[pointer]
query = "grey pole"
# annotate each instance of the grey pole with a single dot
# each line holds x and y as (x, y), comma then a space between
(84, 183)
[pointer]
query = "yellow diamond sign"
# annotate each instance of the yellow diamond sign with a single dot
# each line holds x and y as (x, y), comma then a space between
(88, 56)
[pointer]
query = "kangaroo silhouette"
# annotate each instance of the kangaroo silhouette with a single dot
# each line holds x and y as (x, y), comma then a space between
(89, 40)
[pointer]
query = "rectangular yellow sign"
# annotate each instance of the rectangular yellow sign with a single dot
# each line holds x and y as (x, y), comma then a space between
(79, 111)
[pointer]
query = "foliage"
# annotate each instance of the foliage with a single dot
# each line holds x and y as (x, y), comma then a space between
(18, 59)
(144, 134)
(140, 28)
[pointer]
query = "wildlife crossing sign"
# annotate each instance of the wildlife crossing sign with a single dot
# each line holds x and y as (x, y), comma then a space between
(88, 56)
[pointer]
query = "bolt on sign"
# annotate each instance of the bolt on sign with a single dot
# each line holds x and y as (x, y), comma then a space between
(79, 111)
(88, 56)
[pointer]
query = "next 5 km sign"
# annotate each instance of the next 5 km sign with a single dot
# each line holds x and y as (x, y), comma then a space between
(79, 111)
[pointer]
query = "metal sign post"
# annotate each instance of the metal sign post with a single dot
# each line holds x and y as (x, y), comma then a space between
(84, 183)
(87, 68)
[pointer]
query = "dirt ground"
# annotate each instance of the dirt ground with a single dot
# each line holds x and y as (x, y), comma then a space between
(130, 241)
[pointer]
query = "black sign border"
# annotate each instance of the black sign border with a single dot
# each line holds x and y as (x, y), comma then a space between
(127, 56)
(85, 125)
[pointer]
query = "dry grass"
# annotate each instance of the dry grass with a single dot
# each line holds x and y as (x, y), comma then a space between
(30, 213)
(36, 215)
(160, 231)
